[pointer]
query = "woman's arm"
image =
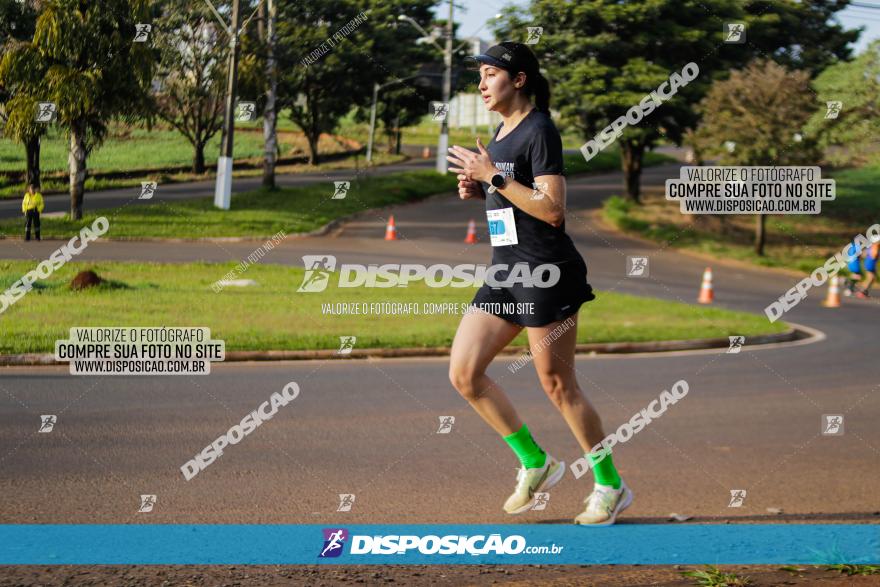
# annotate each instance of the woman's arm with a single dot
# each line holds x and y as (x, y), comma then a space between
(546, 202)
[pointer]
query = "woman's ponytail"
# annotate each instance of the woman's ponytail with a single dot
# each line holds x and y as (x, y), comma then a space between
(537, 87)
(541, 91)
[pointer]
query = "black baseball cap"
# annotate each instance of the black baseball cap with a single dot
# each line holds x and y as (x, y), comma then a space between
(508, 55)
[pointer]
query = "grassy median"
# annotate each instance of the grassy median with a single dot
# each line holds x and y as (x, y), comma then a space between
(800, 242)
(133, 155)
(262, 213)
(259, 213)
(273, 315)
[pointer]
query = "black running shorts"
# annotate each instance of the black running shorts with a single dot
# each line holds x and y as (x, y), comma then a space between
(536, 306)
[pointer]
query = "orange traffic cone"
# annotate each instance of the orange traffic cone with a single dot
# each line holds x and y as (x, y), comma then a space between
(471, 237)
(707, 294)
(391, 230)
(426, 153)
(833, 299)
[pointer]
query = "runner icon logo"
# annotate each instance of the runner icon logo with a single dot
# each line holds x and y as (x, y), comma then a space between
(737, 497)
(736, 344)
(832, 424)
(535, 33)
(47, 423)
(346, 344)
(318, 268)
(446, 423)
(341, 188)
(637, 266)
(334, 540)
(148, 188)
(734, 32)
(346, 500)
(147, 503)
(142, 32)
(833, 108)
(46, 112)
(541, 500)
(439, 110)
(245, 111)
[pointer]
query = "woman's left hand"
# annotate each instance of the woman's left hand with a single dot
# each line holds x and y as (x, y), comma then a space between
(476, 166)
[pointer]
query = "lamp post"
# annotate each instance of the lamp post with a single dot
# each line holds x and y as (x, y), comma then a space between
(223, 188)
(376, 89)
(443, 140)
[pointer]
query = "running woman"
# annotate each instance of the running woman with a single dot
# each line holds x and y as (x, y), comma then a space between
(871, 256)
(520, 175)
(854, 265)
(855, 253)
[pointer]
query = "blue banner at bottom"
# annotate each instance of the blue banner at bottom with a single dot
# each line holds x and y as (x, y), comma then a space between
(173, 544)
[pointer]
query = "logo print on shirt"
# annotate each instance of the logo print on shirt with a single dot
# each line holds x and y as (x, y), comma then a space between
(505, 167)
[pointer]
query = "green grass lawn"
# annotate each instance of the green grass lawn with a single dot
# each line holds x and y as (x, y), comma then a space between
(259, 213)
(262, 213)
(139, 151)
(608, 160)
(427, 131)
(133, 149)
(128, 151)
(273, 315)
(799, 242)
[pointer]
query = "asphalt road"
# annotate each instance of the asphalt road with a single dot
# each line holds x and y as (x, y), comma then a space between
(750, 421)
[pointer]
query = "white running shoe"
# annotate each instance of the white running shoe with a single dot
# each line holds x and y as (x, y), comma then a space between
(604, 504)
(532, 481)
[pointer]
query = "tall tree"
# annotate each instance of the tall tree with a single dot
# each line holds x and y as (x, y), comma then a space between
(17, 23)
(757, 117)
(83, 58)
(412, 67)
(847, 111)
(331, 53)
(603, 56)
(270, 112)
(325, 70)
(258, 77)
(193, 55)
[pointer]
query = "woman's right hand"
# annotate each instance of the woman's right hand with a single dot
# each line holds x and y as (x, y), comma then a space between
(468, 189)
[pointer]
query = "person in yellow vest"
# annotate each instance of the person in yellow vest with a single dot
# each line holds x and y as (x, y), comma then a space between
(32, 207)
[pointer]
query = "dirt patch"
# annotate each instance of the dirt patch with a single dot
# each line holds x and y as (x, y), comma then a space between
(84, 280)
(513, 575)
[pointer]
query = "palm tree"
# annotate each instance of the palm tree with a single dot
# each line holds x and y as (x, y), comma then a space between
(83, 58)
(17, 22)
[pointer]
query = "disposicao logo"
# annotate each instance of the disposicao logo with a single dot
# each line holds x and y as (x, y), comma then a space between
(335, 538)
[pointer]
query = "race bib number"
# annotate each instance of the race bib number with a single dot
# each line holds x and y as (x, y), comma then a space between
(502, 228)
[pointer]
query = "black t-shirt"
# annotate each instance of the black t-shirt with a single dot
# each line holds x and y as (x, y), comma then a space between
(533, 148)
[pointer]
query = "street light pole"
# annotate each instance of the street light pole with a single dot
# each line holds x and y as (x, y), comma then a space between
(223, 188)
(443, 141)
(372, 122)
(376, 89)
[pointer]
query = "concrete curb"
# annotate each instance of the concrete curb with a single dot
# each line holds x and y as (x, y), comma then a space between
(607, 348)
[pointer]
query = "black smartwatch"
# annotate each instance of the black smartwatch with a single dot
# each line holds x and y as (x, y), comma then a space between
(497, 181)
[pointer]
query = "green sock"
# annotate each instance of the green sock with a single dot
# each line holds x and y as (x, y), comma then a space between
(527, 450)
(604, 471)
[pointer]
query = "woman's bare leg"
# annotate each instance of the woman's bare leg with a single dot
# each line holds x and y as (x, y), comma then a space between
(554, 363)
(479, 338)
